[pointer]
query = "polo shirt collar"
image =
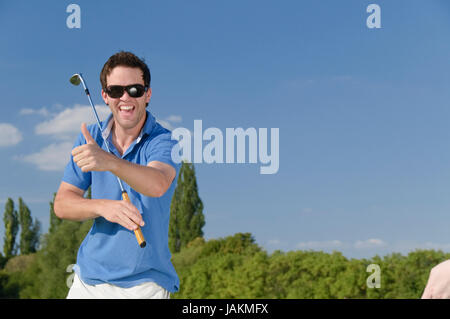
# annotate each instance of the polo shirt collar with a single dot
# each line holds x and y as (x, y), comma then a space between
(146, 129)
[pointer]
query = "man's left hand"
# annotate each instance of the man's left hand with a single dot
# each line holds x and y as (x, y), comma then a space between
(90, 157)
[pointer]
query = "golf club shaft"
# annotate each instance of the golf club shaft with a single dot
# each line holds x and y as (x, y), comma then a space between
(86, 90)
(138, 232)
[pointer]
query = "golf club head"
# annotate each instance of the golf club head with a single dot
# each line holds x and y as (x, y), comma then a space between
(75, 79)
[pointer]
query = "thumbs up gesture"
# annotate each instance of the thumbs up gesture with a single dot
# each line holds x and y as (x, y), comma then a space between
(90, 157)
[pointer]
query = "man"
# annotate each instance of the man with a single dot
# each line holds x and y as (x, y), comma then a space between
(110, 263)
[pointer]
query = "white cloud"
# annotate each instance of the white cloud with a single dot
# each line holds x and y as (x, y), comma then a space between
(64, 127)
(320, 244)
(51, 158)
(362, 248)
(167, 122)
(174, 118)
(274, 242)
(438, 246)
(407, 246)
(9, 135)
(67, 123)
(369, 243)
(335, 244)
(42, 111)
(26, 111)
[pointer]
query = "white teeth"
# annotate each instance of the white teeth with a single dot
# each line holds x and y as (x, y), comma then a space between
(126, 108)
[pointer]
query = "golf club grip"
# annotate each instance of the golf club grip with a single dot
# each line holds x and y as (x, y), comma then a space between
(138, 232)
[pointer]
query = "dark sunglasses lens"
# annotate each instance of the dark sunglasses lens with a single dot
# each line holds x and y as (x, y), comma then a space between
(135, 90)
(115, 91)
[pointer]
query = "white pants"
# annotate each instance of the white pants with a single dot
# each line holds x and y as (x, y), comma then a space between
(146, 290)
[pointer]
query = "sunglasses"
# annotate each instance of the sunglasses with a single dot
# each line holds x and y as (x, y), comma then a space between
(134, 90)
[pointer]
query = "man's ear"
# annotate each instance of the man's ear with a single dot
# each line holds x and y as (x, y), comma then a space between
(148, 96)
(105, 97)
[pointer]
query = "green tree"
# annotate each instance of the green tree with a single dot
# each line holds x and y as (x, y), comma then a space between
(11, 223)
(230, 267)
(405, 276)
(8, 289)
(48, 275)
(29, 230)
(3, 261)
(54, 220)
(186, 210)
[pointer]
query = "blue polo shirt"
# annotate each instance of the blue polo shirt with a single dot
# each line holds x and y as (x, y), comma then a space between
(110, 253)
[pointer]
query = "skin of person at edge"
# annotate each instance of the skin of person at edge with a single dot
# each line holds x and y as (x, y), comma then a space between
(438, 285)
(152, 179)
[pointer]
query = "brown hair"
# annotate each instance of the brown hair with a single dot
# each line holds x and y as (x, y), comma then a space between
(125, 58)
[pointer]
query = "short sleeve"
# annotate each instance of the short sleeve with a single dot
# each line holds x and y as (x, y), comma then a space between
(160, 149)
(73, 174)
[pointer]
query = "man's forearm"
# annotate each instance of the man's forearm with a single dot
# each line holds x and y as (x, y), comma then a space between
(143, 179)
(148, 180)
(73, 207)
(70, 204)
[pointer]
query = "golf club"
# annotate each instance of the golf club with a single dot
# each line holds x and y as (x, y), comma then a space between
(76, 79)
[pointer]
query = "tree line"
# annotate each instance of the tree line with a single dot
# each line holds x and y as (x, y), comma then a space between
(229, 267)
(39, 266)
(29, 231)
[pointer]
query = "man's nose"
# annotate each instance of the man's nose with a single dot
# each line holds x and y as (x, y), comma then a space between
(125, 96)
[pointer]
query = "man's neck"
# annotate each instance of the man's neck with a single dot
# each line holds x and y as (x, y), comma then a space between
(122, 138)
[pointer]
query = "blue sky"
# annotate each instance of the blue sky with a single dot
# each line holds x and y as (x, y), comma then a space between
(363, 114)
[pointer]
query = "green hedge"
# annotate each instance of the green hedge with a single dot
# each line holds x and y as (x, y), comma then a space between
(232, 267)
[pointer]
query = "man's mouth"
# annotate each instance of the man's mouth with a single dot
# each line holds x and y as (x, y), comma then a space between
(126, 108)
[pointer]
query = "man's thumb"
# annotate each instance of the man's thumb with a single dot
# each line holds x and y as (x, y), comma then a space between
(86, 134)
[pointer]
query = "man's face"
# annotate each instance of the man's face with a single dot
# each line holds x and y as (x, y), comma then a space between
(128, 112)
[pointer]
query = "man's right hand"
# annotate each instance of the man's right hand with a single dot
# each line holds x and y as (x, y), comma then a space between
(120, 212)
(70, 204)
